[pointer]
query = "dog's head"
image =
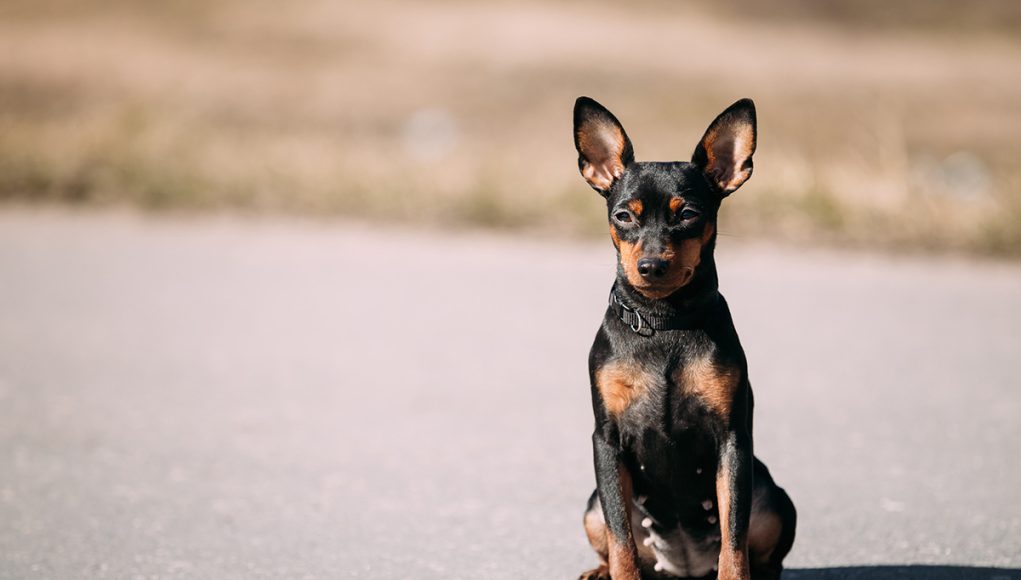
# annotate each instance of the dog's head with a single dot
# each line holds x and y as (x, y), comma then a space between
(663, 215)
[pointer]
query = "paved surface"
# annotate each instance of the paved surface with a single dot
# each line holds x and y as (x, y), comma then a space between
(222, 399)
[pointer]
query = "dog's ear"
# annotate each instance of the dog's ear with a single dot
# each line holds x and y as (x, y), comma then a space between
(725, 152)
(604, 150)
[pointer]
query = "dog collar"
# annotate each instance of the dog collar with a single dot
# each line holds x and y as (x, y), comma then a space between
(640, 321)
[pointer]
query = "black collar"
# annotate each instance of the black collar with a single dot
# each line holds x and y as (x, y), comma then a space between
(647, 323)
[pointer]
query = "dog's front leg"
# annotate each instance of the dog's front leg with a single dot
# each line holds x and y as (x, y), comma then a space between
(614, 483)
(734, 497)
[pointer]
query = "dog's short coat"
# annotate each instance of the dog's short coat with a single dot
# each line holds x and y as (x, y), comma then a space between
(679, 493)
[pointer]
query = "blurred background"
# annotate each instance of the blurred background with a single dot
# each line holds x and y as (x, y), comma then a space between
(305, 289)
(883, 124)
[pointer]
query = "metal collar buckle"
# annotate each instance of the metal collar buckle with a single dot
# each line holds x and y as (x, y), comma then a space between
(636, 327)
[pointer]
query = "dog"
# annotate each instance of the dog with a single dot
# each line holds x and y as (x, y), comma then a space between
(679, 493)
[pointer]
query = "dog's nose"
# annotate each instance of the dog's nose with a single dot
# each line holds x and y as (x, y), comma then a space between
(652, 267)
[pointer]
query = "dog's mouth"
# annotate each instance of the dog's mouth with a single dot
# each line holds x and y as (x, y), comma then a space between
(657, 289)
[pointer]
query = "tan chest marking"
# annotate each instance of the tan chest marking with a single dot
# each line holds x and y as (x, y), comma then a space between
(712, 383)
(620, 383)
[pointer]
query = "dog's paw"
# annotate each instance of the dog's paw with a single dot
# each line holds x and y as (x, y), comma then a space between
(600, 573)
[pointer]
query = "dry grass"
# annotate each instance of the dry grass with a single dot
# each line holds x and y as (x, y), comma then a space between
(877, 127)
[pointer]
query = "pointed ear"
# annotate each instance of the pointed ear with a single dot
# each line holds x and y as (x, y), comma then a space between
(604, 150)
(725, 152)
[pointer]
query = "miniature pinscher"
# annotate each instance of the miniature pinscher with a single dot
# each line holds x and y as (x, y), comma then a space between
(679, 493)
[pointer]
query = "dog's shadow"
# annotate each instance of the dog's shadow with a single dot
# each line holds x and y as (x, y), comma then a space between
(893, 572)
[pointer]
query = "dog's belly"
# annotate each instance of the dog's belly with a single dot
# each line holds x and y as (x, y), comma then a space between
(674, 551)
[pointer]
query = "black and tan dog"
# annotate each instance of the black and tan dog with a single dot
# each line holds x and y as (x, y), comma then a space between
(679, 493)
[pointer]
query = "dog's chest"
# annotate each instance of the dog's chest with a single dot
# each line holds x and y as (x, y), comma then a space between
(642, 389)
(668, 414)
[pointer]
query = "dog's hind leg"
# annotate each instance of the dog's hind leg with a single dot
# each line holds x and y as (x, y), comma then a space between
(771, 527)
(595, 529)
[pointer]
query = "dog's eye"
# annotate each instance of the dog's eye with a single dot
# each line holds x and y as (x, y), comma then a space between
(688, 214)
(623, 217)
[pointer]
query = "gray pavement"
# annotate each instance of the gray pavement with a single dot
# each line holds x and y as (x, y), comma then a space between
(218, 398)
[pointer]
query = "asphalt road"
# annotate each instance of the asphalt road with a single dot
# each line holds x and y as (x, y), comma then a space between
(215, 398)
